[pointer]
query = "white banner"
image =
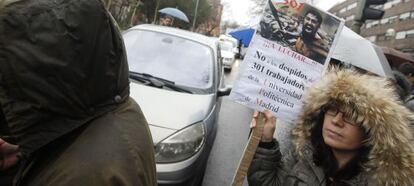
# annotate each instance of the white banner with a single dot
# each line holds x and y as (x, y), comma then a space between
(282, 60)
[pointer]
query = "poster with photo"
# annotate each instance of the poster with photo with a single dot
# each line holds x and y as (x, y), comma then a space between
(300, 27)
(291, 48)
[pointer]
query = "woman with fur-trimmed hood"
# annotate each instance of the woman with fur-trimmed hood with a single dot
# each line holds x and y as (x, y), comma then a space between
(352, 131)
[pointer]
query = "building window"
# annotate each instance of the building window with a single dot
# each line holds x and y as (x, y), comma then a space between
(407, 50)
(349, 18)
(392, 3)
(410, 34)
(351, 6)
(400, 35)
(368, 25)
(381, 37)
(393, 19)
(384, 37)
(378, 6)
(384, 21)
(372, 38)
(342, 10)
(396, 2)
(387, 5)
(374, 23)
(404, 16)
(405, 34)
(412, 15)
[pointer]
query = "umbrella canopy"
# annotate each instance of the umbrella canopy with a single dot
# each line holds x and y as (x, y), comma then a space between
(174, 12)
(243, 35)
(358, 51)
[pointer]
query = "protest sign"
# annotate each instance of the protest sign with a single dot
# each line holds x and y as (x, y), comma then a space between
(289, 51)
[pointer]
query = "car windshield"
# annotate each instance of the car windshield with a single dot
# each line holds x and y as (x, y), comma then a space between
(226, 46)
(182, 61)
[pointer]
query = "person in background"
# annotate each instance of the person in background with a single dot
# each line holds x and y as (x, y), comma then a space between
(166, 20)
(402, 84)
(403, 87)
(408, 70)
(239, 48)
(348, 133)
(64, 94)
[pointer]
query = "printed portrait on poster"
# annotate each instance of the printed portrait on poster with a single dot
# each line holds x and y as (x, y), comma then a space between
(301, 27)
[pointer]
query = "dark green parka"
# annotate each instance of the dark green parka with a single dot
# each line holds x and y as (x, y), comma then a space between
(64, 92)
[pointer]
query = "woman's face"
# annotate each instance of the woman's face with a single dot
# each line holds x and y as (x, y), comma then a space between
(339, 133)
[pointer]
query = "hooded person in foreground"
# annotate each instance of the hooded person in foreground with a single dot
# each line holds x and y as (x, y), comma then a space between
(352, 131)
(64, 93)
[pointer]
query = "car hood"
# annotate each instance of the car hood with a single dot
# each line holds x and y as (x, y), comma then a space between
(169, 109)
(227, 54)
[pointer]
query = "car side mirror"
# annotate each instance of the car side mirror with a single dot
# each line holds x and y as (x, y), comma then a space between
(224, 91)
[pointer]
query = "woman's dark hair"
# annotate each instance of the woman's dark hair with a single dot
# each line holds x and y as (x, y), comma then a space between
(406, 68)
(323, 155)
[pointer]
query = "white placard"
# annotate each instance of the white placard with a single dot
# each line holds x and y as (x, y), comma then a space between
(281, 60)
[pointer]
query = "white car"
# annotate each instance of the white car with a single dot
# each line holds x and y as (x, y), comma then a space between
(227, 54)
(178, 81)
(230, 39)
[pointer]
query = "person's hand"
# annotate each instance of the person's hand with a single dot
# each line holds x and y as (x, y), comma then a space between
(269, 125)
(8, 155)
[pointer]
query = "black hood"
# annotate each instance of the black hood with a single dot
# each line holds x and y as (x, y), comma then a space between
(62, 64)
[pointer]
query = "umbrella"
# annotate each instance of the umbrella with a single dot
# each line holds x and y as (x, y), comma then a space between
(174, 12)
(243, 35)
(358, 51)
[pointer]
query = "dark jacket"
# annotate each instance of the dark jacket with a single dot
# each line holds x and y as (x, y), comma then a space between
(403, 87)
(64, 91)
(372, 102)
(270, 168)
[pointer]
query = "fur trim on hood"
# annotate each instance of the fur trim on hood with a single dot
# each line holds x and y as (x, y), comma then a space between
(371, 101)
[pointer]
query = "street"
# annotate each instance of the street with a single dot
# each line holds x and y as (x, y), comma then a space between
(232, 134)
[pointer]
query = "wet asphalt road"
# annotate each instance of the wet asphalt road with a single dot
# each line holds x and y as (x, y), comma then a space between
(232, 133)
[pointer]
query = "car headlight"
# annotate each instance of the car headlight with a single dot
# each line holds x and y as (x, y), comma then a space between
(181, 145)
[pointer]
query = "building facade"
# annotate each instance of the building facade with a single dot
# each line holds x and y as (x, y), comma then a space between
(394, 30)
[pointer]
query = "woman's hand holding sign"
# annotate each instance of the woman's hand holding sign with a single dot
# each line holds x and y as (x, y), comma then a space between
(269, 125)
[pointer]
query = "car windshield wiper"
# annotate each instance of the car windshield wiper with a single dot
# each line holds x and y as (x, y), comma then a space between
(154, 81)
